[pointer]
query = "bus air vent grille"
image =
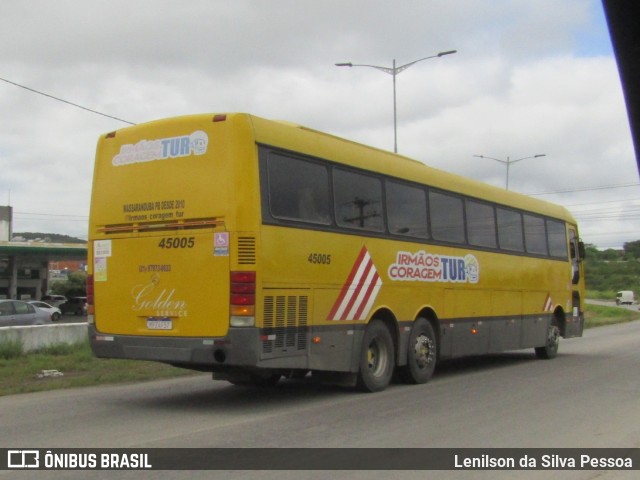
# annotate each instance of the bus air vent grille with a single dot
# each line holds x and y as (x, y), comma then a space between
(285, 325)
(246, 250)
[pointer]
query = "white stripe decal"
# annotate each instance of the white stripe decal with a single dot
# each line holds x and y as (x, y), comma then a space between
(359, 290)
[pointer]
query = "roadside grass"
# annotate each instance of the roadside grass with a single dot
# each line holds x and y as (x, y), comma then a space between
(599, 315)
(38, 371)
(601, 294)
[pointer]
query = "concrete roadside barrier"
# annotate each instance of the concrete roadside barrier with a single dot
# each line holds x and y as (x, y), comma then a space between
(35, 337)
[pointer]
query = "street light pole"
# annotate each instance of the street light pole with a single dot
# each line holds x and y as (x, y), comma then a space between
(508, 161)
(394, 71)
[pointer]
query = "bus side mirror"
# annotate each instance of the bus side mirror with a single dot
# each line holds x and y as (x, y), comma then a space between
(581, 250)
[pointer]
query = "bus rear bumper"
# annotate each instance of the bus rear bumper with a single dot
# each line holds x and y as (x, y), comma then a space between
(207, 354)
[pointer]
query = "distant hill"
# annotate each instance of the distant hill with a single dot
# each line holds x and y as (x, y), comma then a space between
(47, 237)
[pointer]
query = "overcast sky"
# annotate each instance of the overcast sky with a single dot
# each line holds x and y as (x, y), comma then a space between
(530, 77)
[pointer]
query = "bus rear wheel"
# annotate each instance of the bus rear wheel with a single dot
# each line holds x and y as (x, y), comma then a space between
(550, 349)
(376, 358)
(422, 353)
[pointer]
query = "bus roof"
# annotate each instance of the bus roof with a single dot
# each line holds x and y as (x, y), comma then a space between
(323, 145)
(294, 137)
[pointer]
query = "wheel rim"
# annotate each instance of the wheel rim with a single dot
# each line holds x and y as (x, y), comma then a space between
(423, 351)
(554, 337)
(377, 358)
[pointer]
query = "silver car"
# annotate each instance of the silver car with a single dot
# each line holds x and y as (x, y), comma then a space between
(19, 313)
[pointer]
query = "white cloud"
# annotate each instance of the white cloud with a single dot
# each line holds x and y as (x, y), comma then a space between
(528, 78)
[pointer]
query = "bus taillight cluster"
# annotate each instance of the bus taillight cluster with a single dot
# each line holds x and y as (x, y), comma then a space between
(90, 298)
(243, 299)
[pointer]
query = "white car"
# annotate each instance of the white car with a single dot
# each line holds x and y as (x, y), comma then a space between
(54, 312)
(54, 300)
(625, 297)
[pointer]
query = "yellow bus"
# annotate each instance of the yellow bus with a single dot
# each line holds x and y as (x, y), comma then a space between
(257, 249)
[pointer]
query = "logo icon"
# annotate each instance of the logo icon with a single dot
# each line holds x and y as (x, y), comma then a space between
(23, 459)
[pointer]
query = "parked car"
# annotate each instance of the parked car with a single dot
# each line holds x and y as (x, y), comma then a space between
(19, 313)
(54, 300)
(54, 312)
(75, 305)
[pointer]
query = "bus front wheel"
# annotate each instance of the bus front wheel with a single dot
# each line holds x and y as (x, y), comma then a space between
(422, 354)
(376, 358)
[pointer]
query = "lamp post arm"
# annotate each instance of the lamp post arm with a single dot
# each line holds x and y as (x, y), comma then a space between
(388, 70)
(508, 162)
(394, 71)
(401, 68)
(527, 158)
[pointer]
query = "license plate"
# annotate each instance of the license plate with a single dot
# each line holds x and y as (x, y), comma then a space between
(155, 323)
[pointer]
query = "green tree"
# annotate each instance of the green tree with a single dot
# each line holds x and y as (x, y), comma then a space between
(75, 286)
(632, 250)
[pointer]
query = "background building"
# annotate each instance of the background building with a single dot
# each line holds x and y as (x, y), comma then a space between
(24, 265)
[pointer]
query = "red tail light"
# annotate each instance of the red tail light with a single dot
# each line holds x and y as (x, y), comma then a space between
(243, 288)
(90, 289)
(243, 298)
(90, 297)
(243, 277)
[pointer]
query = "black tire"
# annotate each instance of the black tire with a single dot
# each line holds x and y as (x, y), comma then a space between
(55, 317)
(376, 358)
(550, 349)
(422, 353)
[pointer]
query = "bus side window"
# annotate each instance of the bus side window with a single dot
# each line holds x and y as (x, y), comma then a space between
(446, 214)
(406, 210)
(557, 239)
(358, 200)
(535, 235)
(481, 224)
(299, 190)
(510, 232)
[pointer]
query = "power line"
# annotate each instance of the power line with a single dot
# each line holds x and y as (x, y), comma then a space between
(51, 214)
(66, 101)
(587, 189)
(600, 202)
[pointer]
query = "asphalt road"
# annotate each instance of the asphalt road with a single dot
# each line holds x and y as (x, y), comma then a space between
(589, 396)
